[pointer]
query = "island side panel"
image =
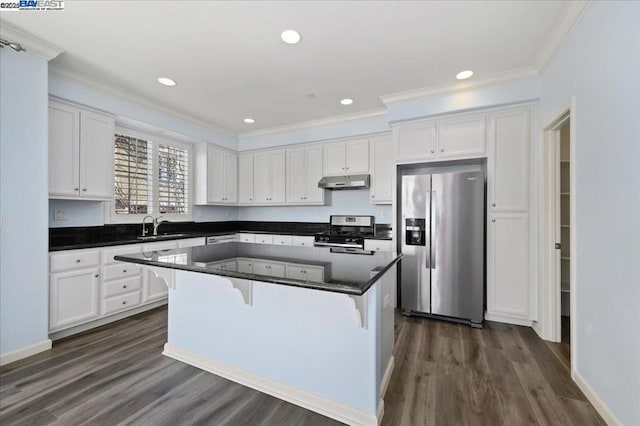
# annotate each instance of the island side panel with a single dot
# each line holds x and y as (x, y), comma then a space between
(385, 329)
(308, 339)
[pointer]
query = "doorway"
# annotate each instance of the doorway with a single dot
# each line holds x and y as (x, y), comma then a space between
(557, 239)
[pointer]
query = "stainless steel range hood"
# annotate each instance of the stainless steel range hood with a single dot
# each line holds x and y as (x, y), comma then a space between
(344, 182)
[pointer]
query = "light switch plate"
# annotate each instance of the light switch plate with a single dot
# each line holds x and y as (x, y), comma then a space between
(59, 214)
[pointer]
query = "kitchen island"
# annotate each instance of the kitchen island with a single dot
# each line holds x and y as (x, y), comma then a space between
(303, 324)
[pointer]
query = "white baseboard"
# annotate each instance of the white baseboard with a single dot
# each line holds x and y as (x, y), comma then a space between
(594, 399)
(387, 376)
(320, 404)
(507, 319)
(25, 352)
(537, 329)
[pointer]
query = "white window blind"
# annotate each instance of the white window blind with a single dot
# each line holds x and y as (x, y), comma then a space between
(173, 179)
(133, 175)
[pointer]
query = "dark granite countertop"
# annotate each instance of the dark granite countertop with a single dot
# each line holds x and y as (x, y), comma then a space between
(74, 238)
(349, 273)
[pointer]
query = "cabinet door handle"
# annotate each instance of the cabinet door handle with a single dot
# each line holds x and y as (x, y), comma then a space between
(124, 271)
(124, 286)
(97, 275)
(124, 303)
(442, 150)
(84, 189)
(250, 199)
(76, 189)
(493, 221)
(373, 196)
(493, 204)
(77, 260)
(433, 151)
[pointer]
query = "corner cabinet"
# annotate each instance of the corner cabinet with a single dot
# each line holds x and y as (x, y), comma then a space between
(80, 153)
(346, 157)
(216, 175)
(382, 170)
(304, 171)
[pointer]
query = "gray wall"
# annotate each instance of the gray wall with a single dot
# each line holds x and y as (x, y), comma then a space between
(23, 206)
(599, 65)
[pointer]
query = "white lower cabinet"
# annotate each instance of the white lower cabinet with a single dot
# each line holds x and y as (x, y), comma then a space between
(120, 303)
(245, 266)
(270, 269)
(508, 291)
(305, 272)
(73, 297)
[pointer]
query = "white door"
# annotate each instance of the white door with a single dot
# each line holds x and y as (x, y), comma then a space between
(73, 298)
(295, 272)
(382, 169)
(508, 265)
(296, 173)
(230, 178)
(509, 162)
(245, 179)
(416, 141)
(313, 274)
(278, 177)
(245, 266)
(357, 153)
(96, 155)
(261, 177)
(334, 159)
(64, 156)
(215, 176)
(313, 163)
(462, 137)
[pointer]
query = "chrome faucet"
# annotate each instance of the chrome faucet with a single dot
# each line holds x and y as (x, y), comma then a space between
(144, 229)
(157, 223)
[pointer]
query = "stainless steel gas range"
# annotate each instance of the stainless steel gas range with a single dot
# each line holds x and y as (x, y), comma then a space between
(347, 234)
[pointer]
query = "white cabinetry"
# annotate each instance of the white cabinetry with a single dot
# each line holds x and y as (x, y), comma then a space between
(305, 272)
(80, 153)
(216, 174)
(508, 164)
(346, 157)
(304, 171)
(154, 287)
(510, 289)
(271, 269)
(378, 245)
(456, 137)
(508, 268)
(245, 179)
(269, 177)
(73, 297)
(382, 170)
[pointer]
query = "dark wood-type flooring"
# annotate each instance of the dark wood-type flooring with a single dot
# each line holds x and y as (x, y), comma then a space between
(444, 374)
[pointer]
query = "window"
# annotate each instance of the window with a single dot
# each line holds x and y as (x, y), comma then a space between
(151, 177)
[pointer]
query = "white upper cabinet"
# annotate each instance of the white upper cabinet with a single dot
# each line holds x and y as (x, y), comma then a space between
(416, 142)
(304, 171)
(382, 169)
(245, 179)
(346, 157)
(216, 175)
(462, 136)
(269, 177)
(80, 153)
(508, 162)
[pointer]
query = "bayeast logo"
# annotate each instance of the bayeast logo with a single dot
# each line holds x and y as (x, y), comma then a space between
(33, 5)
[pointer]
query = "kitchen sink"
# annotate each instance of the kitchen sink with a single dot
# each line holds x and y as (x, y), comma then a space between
(161, 237)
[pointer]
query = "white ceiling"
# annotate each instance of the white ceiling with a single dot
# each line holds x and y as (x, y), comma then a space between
(230, 63)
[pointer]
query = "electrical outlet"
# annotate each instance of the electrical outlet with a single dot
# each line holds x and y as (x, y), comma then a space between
(60, 215)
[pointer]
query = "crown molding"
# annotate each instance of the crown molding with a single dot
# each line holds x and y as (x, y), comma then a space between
(29, 42)
(561, 32)
(104, 87)
(327, 121)
(518, 74)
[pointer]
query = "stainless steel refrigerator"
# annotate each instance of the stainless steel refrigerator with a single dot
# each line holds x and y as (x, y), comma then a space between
(441, 221)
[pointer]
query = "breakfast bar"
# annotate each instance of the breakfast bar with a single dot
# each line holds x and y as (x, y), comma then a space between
(303, 324)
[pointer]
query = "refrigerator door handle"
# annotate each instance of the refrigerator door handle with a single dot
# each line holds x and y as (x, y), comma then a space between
(430, 262)
(434, 230)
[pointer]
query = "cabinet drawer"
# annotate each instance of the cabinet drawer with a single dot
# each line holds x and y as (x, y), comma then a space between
(297, 240)
(75, 260)
(192, 242)
(123, 270)
(122, 286)
(264, 239)
(283, 240)
(120, 303)
(109, 253)
(169, 245)
(378, 245)
(247, 238)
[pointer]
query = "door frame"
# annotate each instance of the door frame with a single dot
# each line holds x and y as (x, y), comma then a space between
(549, 266)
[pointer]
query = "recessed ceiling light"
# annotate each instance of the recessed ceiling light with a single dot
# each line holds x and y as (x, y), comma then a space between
(166, 81)
(249, 120)
(346, 101)
(290, 37)
(463, 75)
